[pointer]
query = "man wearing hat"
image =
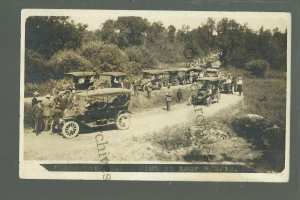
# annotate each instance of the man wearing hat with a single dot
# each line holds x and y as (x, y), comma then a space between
(47, 107)
(168, 98)
(58, 99)
(38, 117)
(33, 103)
(34, 100)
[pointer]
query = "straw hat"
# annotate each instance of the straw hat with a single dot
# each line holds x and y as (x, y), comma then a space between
(48, 96)
(36, 93)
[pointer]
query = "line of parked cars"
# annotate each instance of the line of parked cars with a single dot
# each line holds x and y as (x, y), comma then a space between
(104, 100)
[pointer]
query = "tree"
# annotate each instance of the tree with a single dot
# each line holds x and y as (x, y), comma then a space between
(47, 35)
(171, 33)
(156, 33)
(231, 43)
(125, 31)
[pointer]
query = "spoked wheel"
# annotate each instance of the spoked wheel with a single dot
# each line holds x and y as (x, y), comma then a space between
(70, 129)
(123, 121)
(55, 91)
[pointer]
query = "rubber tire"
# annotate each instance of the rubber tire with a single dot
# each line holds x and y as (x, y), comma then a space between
(119, 126)
(74, 125)
(55, 91)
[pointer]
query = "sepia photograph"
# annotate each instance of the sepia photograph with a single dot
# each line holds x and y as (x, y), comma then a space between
(155, 95)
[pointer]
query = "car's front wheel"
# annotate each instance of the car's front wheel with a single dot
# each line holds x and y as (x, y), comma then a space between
(123, 121)
(70, 129)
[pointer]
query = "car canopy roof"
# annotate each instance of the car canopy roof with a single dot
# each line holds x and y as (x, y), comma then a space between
(211, 70)
(81, 73)
(177, 69)
(104, 92)
(195, 69)
(211, 79)
(153, 71)
(113, 74)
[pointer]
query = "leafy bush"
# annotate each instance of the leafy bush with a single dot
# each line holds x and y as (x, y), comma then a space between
(257, 67)
(172, 138)
(66, 61)
(35, 67)
(141, 56)
(105, 57)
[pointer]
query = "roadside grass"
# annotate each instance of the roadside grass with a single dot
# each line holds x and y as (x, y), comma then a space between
(264, 96)
(141, 102)
(42, 88)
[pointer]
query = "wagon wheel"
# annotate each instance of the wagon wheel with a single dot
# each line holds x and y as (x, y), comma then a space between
(123, 121)
(70, 129)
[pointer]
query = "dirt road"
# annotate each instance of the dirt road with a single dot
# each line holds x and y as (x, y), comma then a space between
(121, 145)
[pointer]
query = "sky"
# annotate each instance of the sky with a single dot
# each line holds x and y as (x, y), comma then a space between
(254, 20)
(95, 18)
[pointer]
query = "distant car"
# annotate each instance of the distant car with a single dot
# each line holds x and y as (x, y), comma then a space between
(203, 97)
(194, 73)
(158, 79)
(96, 108)
(77, 81)
(178, 76)
(212, 72)
(114, 79)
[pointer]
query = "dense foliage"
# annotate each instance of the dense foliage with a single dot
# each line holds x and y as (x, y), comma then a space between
(55, 45)
(257, 67)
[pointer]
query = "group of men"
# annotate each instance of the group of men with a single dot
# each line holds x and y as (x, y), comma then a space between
(233, 84)
(46, 113)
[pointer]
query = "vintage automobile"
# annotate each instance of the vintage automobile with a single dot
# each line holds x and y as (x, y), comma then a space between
(209, 92)
(212, 72)
(194, 74)
(158, 79)
(95, 108)
(77, 81)
(178, 76)
(114, 80)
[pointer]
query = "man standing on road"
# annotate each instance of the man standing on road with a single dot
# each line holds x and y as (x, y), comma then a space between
(149, 89)
(33, 103)
(47, 106)
(168, 98)
(38, 115)
(240, 85)
(179, 95)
